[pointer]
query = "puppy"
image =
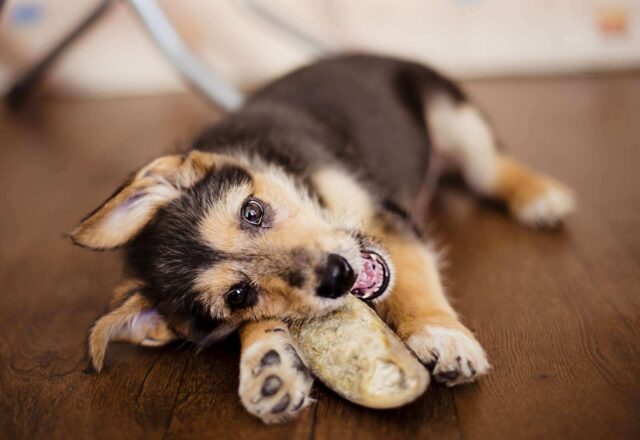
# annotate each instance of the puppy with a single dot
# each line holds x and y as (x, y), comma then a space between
(313, 190)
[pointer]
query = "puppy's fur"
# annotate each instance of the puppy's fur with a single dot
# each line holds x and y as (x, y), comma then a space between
(341, 157)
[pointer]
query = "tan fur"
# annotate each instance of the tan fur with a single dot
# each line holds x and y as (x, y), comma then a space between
(123, 292)
(420, 314)
(298, 220)
(517, 185)
(220, 226)
(156, 184)
(417, 308)
(121, 324)
(276, 299)
(418, 297)
(252, 332)
(214, 282)
(297, 224)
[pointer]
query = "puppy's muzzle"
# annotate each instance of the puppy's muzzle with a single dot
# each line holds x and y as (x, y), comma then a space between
(337, 278)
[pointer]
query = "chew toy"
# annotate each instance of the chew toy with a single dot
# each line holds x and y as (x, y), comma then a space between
(356, 355)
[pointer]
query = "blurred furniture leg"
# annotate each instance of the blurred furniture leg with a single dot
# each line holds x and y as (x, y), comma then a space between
(21, 90)
(273, 19)
(203, 79)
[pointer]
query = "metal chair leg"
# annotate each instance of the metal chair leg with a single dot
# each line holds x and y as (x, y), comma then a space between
(22, 88)
(202, 78)
(319, 48)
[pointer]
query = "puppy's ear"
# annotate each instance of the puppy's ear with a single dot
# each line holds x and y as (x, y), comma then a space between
(121, 217)
(134, 320)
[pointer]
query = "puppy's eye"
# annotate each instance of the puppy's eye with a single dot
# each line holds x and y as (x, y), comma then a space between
(252, 212)
(241, 296)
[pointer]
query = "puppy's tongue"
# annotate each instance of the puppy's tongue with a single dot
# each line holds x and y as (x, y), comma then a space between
(373, 277)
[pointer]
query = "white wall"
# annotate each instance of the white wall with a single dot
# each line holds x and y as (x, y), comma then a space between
(467, 38)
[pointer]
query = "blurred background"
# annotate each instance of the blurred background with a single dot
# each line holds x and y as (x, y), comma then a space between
(465, 38)
(558, 313)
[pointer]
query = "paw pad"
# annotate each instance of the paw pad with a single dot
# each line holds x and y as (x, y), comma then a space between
(282, 404)
(278, 384)
(272, 385)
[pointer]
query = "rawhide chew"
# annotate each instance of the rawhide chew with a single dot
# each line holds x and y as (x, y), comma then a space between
(356, 355)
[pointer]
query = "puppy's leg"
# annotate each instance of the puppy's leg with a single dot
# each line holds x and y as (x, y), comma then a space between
(417, 309)
(460, 133)
(419, 312)
(274, 381)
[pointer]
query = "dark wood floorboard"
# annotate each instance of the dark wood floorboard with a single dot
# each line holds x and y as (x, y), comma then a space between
(559, 313)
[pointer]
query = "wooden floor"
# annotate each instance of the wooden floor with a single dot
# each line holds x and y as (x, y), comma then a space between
(558, 313)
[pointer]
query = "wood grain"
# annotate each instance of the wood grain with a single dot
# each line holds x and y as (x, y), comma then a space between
(559, 313)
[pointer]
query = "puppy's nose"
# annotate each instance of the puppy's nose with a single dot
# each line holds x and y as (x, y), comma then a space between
(337, 279)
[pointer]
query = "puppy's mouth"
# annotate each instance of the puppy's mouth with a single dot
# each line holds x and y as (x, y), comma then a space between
(373, 279)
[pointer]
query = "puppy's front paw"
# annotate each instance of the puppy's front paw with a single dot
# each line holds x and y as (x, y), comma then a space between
(452, 356)
(274, 381)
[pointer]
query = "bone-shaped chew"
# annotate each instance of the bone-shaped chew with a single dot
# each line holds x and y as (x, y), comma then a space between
(356, 355)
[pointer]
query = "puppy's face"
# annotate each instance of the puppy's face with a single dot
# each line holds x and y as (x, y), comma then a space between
(216, 240)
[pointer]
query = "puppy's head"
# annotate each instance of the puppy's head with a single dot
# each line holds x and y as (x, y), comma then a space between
(214, 240)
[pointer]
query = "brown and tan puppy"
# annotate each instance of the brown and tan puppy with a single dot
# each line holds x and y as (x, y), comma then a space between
(310, 192)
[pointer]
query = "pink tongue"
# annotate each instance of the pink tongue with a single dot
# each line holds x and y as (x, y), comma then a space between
(370, 277)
